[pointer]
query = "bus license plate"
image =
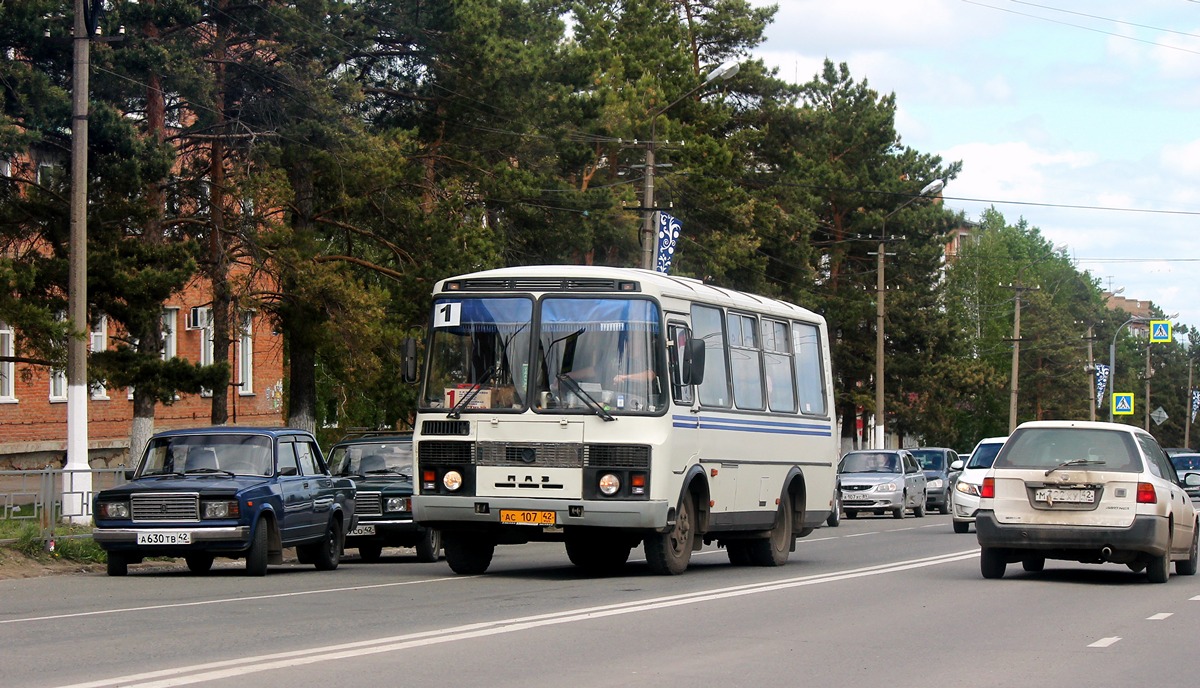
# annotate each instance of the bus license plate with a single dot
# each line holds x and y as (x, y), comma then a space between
(181, 537)
(527, 518)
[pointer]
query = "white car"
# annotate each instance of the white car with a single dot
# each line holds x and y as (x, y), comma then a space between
(1087, 492)
(965, 497)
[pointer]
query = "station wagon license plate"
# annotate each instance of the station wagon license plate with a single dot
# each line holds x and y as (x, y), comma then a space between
(527, 518)
(362, 530)
(1051, 495)
(180, 537)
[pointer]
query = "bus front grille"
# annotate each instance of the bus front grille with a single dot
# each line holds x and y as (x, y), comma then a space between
(445, 427)
(635, 456)
(437, 452)
(540, 454)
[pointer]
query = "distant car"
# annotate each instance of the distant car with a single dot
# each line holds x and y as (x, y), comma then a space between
(1185, 465)
(381, 464)
(935, 462)
(1088, 492)
(1172, 451)
(881, 480)
(964, 501)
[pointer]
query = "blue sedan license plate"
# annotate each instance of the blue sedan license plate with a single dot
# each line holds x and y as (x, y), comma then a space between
(165, 537)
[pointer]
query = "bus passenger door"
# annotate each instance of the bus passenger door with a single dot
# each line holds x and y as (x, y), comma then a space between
(685, 418)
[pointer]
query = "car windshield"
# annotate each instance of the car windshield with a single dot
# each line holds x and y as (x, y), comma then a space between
(1047, 448)
(237, 454)
(870, 462)
(984, 455)
(478, 354)
(392, 457)
(1186, 462)
(930, 459)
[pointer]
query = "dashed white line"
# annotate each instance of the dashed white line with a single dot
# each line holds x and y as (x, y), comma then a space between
(1105, 642)
(1159, 616)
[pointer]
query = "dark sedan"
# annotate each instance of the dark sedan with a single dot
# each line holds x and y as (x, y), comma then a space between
(935, 462)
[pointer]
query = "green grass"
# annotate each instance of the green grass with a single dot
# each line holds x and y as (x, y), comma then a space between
(28, 536)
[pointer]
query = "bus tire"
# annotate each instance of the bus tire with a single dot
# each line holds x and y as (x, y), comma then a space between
(669, 553)
(774, 549)
(468, 554)
(597, 553)
(739, 553)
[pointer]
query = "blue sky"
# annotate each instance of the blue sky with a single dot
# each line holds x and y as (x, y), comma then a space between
(1082, 116)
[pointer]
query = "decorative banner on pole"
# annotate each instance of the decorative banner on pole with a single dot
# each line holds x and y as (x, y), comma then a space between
(1101, 383)
(668, 236)
(1195, 403)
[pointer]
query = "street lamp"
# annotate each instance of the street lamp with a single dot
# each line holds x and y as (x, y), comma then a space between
(724, 71)
(1113, 359)
(880, 424)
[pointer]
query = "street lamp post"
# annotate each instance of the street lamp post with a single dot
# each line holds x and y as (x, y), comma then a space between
(1112, 361)
(880, 424)
(724, 71)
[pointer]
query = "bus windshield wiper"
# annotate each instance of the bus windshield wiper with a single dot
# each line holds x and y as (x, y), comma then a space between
(1077, 462)
(587, 398)
(456, 410)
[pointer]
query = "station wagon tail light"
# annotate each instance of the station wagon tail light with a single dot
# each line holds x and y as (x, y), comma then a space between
(399, 504)
(221, 509)
(113, 509)
(988, 489)
(1146, 494)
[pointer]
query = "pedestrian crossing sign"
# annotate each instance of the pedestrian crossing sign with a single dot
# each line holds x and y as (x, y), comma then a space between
(1122, 403)
(1160, 331)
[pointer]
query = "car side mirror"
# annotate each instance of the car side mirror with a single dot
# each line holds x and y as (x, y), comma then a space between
(957, 465)
(1192, 480)
(692, 366)
(408, 361)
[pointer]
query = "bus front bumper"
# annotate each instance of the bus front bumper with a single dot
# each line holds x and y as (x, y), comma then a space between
(439, 511)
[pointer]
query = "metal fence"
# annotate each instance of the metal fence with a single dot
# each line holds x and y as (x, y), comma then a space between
(51, 498)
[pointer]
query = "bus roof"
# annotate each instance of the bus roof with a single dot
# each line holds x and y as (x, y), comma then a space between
(540, 279)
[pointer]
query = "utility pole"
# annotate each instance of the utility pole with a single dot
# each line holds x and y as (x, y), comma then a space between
(1016, 356)
(1146, 408)
(1187, 408)
(1091, 370)
(648, 235)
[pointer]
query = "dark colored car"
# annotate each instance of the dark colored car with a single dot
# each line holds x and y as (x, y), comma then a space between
(242, 493)
(1185, 464)
(935, 462)
(381, 464)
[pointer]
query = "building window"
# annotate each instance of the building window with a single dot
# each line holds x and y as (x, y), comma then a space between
(58, 385)
(170, 317)
(8, 393)
(205, 326)
(99, 342)
(246, 354)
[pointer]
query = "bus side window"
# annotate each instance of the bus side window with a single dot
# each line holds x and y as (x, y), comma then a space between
(709, 326)
(778, 364)
(746, 362)
(678, 338)
(810, 380)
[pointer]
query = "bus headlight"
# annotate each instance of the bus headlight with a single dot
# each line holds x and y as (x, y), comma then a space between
(609, 484)
(452, 480)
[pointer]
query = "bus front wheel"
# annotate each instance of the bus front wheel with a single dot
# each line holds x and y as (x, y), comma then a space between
(669, 553)
(468, 554)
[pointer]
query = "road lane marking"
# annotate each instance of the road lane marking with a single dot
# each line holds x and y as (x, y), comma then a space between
(212, 671)
(1159, 616)
(226, 600)
(1105, 642)
(869, 532)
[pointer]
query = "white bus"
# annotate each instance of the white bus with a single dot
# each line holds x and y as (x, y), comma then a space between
(607, 407)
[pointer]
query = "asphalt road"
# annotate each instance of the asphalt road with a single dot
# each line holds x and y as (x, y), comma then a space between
(877, 601)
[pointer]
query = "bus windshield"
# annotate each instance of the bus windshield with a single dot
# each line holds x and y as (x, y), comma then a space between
(600, 356)
(479, 352)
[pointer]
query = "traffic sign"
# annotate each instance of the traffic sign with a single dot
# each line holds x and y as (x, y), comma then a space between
(1159, 416)
(1122, 403)
(1160, 331)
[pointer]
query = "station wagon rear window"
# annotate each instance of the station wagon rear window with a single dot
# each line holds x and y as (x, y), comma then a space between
(1087, 448)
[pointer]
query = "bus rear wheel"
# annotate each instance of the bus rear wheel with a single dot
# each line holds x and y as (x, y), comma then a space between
(468, 554)
(669, 553)
(774, 549)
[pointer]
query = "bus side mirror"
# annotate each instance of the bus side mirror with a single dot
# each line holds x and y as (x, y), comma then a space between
(408, 362)
(692, 372)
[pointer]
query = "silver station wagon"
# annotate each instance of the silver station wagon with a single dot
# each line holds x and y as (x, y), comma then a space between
(1087, 492)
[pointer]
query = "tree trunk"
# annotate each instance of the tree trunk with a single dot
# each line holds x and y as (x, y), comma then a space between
(142, 427)
(299, 319)
(218, 266)
(302, 387)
